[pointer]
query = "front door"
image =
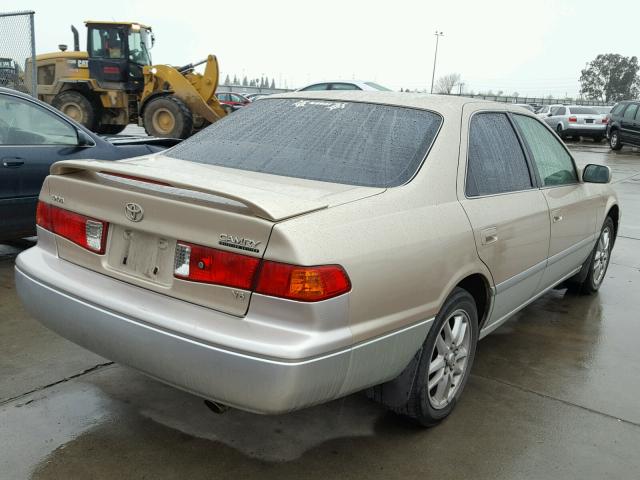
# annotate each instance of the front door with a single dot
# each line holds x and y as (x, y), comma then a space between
(507, 211)
(572, 204)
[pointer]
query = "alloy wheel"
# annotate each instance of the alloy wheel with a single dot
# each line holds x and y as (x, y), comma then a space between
(601, 257)
(449, 359)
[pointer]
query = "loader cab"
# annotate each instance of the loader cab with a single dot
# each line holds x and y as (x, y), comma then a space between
(118, 52)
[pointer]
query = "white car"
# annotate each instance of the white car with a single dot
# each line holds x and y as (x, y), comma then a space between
(344, 85)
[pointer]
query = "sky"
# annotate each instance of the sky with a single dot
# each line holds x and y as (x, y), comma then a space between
(535, 47)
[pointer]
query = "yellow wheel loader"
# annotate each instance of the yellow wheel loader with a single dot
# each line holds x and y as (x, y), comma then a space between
(114, 84)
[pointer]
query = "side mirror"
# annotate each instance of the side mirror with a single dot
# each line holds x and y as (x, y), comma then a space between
(549, 114)
(593, 173)
(84, 139)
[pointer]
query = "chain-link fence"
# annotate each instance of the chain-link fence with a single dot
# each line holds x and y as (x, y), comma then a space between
(18, 52)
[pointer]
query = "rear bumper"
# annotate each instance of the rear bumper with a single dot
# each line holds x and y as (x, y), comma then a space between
(587, 131)
(242, 379)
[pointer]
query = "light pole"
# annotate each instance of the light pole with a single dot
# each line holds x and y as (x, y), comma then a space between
(435, 57)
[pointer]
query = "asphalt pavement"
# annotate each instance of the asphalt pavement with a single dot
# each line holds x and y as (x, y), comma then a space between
(554, 394)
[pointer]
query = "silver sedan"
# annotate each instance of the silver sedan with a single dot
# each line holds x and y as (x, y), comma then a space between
(577, 121)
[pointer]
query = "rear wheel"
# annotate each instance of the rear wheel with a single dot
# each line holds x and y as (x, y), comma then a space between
(614, 140)
(77, 106)
(445, 361)
(168, 116)
(110, 129)
(560, 132)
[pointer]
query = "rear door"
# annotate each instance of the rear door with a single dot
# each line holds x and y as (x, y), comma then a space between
(572, 204)
(507, 211)
(31, 139)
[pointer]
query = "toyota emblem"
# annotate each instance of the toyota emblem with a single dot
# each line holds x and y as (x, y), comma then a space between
(133, 212)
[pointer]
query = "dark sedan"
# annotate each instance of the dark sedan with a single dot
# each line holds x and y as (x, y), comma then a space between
(34, 135)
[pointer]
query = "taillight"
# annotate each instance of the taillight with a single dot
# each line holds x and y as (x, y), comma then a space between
(87, 232)
(209, 265)
(573, 119)
(605, 120)
(307, 284)
(197, 263)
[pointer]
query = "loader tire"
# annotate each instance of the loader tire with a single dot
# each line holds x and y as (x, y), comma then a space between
(167, 117)
(110, 129)
(77, 106)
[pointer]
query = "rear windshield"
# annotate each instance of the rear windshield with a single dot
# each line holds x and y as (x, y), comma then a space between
(583, 111)
(340, 142)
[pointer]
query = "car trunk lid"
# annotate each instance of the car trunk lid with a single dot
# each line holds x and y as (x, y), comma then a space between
(181, 201)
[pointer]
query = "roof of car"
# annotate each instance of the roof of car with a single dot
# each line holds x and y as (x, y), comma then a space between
(439, 103)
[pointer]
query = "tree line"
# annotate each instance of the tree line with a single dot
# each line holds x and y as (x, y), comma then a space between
(261, 82)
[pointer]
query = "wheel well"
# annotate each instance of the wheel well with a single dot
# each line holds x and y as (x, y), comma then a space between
(478, 287)
(614, 213)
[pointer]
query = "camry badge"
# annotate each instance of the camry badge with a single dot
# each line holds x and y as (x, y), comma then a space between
(133, 212)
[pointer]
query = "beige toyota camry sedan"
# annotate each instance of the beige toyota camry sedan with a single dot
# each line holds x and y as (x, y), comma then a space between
(317, 244)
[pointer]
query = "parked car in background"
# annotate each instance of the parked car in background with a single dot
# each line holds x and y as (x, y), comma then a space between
(256, 96)
(577, 121)
(344, 85)
(33, 136)
(624, 125)
(545, 110)
(232, 101)
(317, 244)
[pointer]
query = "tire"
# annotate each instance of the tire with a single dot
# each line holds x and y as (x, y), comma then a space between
(110, 129)
(168, 117)
(76, 105)
(423, 405)
(602, 248)
(614, 140)
(560, 132)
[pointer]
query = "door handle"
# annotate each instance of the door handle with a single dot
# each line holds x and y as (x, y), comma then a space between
(489, 235)
(556, 216)
(14, 162)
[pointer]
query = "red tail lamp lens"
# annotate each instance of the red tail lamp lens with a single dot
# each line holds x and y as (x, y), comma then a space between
(209, 265)
(87, 232)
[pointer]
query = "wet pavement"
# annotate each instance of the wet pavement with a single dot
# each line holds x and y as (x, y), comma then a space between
(555, 393)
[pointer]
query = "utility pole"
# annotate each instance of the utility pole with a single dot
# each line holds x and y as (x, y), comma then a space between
(435, 57)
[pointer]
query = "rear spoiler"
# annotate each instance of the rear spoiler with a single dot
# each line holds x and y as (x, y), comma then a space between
(263, 203)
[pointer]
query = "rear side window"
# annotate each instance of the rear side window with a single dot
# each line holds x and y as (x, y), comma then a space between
(339, 142)
(317, 86)
(559, 111)
(496, 162)
(554, 164)
(618, 108)
(630, 112)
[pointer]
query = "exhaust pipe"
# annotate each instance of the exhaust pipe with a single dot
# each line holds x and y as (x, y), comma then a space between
(76, 39)
(216, 407)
